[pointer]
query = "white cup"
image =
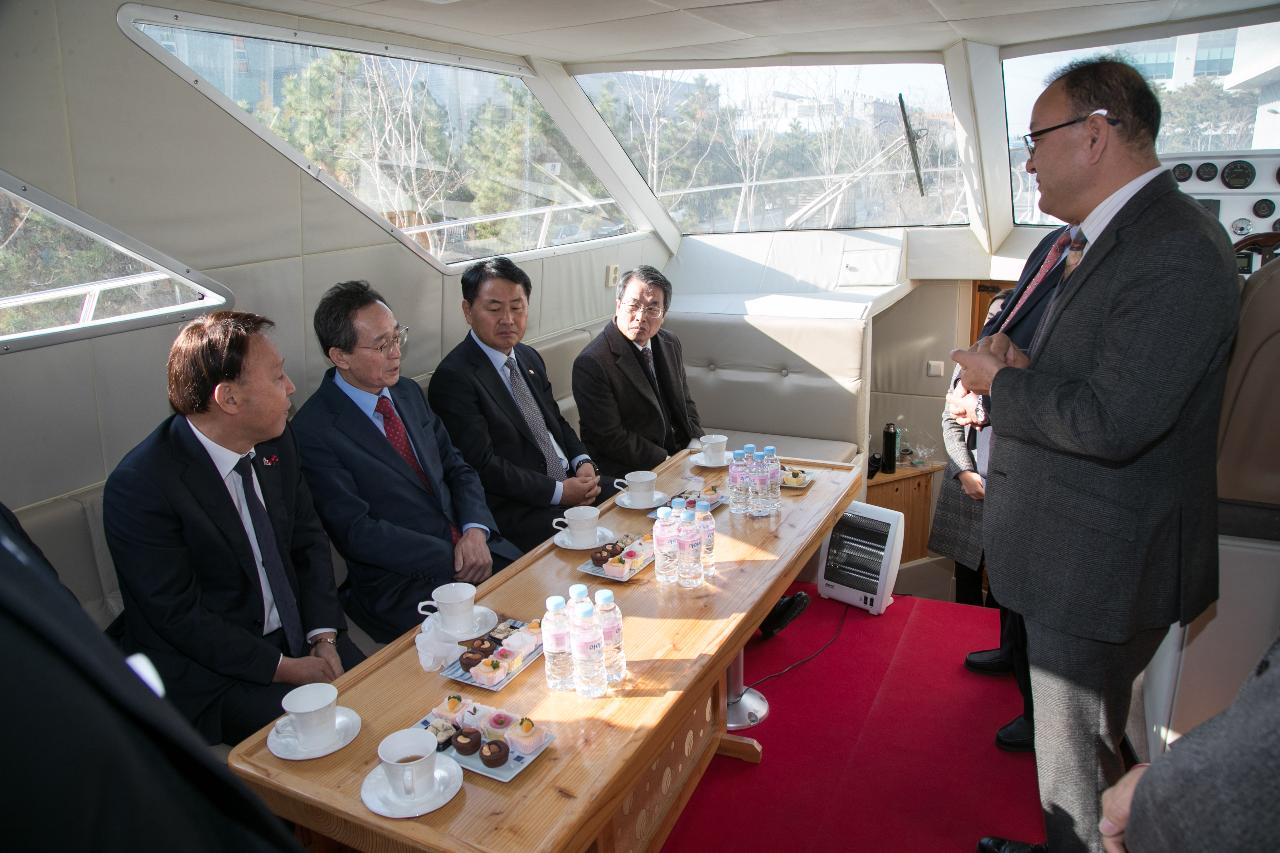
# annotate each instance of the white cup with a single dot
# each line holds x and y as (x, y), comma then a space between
(409, 760)
(456, 603)
(580, 521)
(639, 486)
(713, 449)
(311, 715)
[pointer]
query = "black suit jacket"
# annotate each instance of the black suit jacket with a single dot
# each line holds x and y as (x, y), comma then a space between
(622, 421)
(193, 601)
(134, 774)
(1023, 328)
(487, 427)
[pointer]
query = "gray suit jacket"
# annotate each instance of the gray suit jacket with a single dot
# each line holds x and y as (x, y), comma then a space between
(1100, 517)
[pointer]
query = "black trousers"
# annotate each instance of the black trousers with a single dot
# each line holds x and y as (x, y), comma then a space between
(1013, 642)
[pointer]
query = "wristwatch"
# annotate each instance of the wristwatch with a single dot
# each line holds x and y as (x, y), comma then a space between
(333, 641)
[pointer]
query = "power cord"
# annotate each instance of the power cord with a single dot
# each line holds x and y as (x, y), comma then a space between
(804, 660)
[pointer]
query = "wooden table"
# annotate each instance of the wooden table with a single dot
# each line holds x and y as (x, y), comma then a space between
(621, 767)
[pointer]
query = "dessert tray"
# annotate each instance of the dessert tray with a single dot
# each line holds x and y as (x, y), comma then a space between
(711, 493)
(790, 481)
(621, 560)
(495, 743)
(490, 662)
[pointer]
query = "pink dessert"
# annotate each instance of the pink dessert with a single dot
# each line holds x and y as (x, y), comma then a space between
(499, 723)
(489, 672)
(525, 736)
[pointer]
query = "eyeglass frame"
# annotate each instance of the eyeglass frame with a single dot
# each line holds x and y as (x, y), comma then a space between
(653, 312)
(1030, 139)
(398, 341)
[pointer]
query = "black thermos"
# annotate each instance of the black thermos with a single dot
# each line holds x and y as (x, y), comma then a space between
(889, 450)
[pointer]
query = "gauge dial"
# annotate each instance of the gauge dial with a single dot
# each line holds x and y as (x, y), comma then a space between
(1263, 208)
(1182, 172)
(1207, 171)
(1238, 174)
(1242, 227)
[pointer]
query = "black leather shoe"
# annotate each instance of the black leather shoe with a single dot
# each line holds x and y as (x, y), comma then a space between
(787, 609)
(1004, 845)
(1017, 735)
(989, 662)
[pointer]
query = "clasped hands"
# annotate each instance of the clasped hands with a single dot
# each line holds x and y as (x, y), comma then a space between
(979, 365)
(583, 488)
(322, 664)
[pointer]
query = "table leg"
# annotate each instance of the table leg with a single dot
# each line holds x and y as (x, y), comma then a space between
(746, 749)
(746, 706)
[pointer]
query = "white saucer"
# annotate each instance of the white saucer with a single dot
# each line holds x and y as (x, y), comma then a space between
(659, 499)
(603, 537)
(483, 621)
(699, 460)
(288, 748)
(376, 791)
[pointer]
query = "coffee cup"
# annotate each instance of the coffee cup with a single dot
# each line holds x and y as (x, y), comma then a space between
(713, 449)
(455, 602)
(639, 486)
(580, 521)
(409, 762)
(311, 715)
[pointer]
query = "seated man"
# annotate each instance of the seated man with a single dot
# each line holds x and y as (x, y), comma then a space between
(630, 385)
(225, 571)
(493, 394)
(403, 507)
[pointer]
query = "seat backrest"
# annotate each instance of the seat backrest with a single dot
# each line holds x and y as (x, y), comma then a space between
(559, 352)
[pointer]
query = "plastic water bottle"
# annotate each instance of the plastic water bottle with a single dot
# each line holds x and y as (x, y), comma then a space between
(588, 651)
(664, 546)
(758, 485)
(577, 593)
(738, 483)
(775, 478)
(707, 526)
(689, 551)
(610, 616)
(556, 652)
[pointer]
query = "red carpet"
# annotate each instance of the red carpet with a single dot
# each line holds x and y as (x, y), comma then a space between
(883, 742)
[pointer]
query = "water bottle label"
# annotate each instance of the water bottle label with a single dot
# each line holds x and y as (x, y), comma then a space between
(588, 649)
(612, 635)
(557, 642)
(761, 482)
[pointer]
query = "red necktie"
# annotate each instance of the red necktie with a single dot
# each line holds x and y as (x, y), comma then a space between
(399, 439)
(1055, 252)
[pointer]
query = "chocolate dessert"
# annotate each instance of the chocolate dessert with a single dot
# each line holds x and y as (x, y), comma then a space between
(483, 645)
(470, 659)
(467, 742)
(495, 753)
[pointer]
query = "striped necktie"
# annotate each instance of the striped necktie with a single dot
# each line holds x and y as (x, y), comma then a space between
(533, 419)
(398, 437)
(1050, 260)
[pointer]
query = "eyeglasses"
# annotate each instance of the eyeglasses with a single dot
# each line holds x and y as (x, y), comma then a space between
(401, 337)
(653, 312)
(1030, 139)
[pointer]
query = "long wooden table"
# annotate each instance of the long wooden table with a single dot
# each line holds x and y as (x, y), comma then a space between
(621, 767)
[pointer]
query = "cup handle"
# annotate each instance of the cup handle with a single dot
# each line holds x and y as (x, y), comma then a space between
(559, 523)
(285, 729)
(409, 790)
(431, 605)
(620, 484)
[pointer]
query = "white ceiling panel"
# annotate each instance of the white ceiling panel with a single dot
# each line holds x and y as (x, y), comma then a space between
(1198, 8)
(503, 17)
(782, 17)
(1059, 23)
(669, 29)
(702, 4)
(422, 29)
(925, 36)
(959, 10)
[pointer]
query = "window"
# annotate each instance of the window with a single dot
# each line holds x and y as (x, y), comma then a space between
(1215, 92)
(466, 163)
(58, 276)
(770, 149)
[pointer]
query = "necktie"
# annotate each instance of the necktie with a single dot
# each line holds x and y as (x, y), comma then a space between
(1051, 259)
(646, 358)
(533, 419)
(281, 591)
(399, 439)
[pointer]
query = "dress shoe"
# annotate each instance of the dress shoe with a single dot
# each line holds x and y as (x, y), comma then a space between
(1004, 845)
(989, 662)
(787, 608)
(1017, 735)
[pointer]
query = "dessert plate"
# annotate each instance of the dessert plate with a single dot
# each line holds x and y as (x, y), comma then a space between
(603, 537)
(457, 673)
(288, 748)
(715, 503)
(701, 461)
(375, 791)
(483, 620)
(592, 569)
(803, 484)
(515, 764)
(659, 498)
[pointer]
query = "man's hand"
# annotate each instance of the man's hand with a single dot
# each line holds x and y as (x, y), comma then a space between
(304, 670)
(327, 652)
(972, 484)
(1003, 348)
(963, 406)
(582, 489)
(472, 561)
(1116, 802)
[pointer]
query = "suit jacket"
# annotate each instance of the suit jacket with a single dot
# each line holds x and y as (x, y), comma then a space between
(118, 745)
(193, 601)
(1107, 440)
(392, 531)
(486, 426)
(622, 420)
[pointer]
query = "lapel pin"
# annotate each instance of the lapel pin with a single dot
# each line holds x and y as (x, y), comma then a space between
(268, 461)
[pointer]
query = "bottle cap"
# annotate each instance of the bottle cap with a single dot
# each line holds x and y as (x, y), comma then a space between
(704, 506)
(759, 456)
(578, 590)
(585, 609)
(769, 448)
(748, 448)
(664, 512)
(555, 602)
(677, 503)
(738, 455)
(603, 597)
(688, 515)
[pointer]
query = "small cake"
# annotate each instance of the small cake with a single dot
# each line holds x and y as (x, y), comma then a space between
(499, 723)
(522, 642)
(467, 741)
(525, 737)
(489, 672)
(534, 627)
(795, 476)
(503, 630)
(616, 568)
(450, 708)
(495, 753)
(600, 557)
(510, 657)
(483, 645)
(475, 717)
(469, 659)
(444, 732)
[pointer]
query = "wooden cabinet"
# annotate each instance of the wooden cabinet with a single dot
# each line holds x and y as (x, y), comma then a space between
(909, 490)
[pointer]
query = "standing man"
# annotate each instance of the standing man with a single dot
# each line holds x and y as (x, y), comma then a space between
(224, 567)
(1100, 519)
(494, 397)
(629, 382)
(403, 507)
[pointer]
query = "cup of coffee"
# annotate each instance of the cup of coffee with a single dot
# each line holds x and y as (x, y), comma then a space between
(580, 521)
(455, 602)
(713, 449)
(639, 486)
(409, 761)
(311, 715)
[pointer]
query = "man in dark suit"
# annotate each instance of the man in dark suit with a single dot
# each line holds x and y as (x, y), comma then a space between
(629, 382)
(403, 507)
(494, 397)
(84, 725)
(1100, 518)
(225, 570)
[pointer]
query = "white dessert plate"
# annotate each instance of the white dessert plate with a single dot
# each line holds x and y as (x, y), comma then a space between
(483, 620)
(288, 748)
(659, 498)
(701, 461)
(457, 673)
(592, 569)
(376, 791)
(803, 484)
(515, 763)
(715, 503)
(603, 537)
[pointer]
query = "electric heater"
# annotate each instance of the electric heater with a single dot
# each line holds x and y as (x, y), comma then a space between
(860, 558)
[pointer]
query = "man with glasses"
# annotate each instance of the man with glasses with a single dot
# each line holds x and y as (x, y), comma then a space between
(401, 504)
(630, 385)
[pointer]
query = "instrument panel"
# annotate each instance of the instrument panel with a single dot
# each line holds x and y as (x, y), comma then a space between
(1241, 189)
